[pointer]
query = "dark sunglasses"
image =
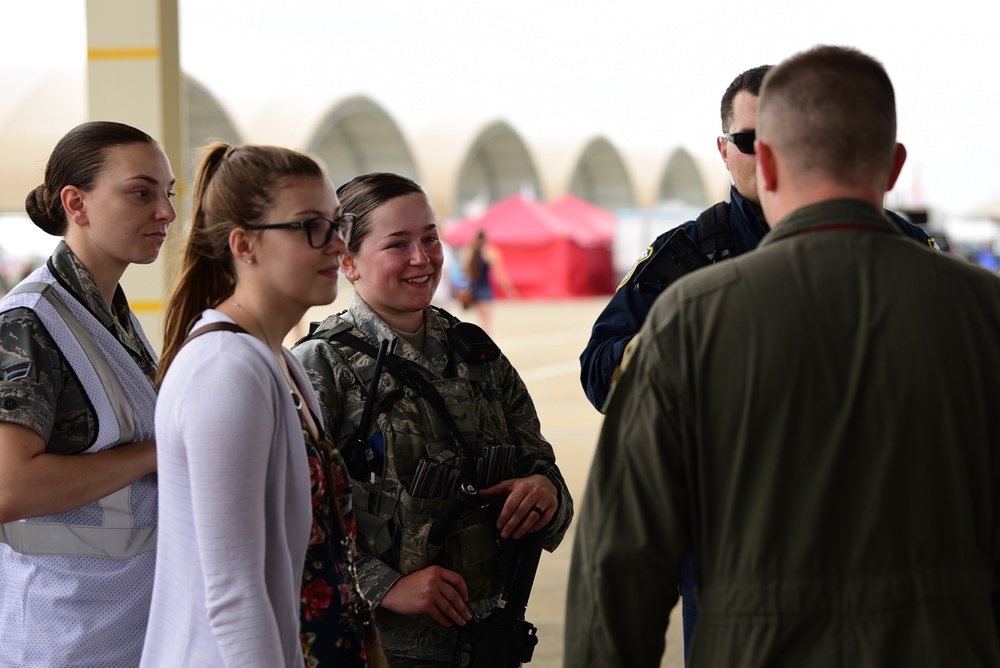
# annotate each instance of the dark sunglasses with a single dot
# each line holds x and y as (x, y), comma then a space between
(319, 230)
(743, 140)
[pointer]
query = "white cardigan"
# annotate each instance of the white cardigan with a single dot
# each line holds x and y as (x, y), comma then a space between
(235, 508)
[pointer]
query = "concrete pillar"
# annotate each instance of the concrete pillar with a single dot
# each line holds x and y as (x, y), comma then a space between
(134, 77)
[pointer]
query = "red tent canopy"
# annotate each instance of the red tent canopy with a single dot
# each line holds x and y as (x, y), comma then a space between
(547, 254)
(600, 222)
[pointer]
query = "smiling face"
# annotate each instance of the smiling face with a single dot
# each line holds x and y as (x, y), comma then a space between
(398, 265)
(123, 218)
(292, 274)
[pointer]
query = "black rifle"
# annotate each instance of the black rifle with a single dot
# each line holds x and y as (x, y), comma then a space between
(679, 255)
(503, 639)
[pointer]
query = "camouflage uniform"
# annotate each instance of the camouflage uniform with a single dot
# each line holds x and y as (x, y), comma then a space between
(38, 389)
(490, 404)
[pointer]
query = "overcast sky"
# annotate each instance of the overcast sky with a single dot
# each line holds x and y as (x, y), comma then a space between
(647, 72)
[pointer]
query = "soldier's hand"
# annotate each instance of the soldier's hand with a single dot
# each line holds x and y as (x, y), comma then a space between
(433, 591)
(531, 504)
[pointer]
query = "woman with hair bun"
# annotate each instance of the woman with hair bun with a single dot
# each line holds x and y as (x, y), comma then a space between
(77, 377)
(238, 429)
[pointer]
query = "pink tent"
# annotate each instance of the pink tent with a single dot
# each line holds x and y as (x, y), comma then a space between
(547, 254)
(600, 221)
(601, 225)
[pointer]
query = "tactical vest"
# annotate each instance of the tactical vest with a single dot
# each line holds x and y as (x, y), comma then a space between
(715, 233)
(394, 516)
(110, 542)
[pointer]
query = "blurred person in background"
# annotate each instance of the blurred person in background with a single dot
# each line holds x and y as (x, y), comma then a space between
(482, 263)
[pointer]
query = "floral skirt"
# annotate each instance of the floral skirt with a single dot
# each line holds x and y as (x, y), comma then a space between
(329, 635)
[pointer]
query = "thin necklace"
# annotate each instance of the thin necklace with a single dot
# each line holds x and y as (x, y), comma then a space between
(296, 399)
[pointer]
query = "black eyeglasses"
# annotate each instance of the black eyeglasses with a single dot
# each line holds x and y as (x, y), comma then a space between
(319, 229)
(743, 140)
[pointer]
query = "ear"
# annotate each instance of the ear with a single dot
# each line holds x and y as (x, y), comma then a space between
(349, 268)
(722, 144)
(767, 167)
(241, 244)
(898, 160)
(72, 199)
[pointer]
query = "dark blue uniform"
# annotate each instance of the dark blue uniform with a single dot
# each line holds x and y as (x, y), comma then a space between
(625, 313)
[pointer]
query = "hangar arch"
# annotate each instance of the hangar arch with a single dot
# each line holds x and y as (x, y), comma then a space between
(358, 136)
(48, 103)
(497, 165)
(601, 178)
(37, 108)
(681, 181)
(207, 120)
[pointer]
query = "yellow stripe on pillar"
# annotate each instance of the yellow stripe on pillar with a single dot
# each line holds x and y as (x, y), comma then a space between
(152, 306)
(137, 53)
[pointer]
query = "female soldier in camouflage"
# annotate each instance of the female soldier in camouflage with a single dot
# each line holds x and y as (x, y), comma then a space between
(413, 461)
(77, 377)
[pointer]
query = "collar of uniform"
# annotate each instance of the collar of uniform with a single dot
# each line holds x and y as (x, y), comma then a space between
(829, 213)
(434, 355)
(744, 208)
(75, 278)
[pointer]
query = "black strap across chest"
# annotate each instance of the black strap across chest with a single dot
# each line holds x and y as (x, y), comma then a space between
(411, 374)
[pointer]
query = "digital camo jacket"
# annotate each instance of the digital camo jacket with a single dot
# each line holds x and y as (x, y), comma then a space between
(490, 405)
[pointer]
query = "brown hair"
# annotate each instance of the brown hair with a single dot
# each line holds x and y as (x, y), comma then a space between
(233, 187)
(831, 112)
(363, 194)
(77, 160)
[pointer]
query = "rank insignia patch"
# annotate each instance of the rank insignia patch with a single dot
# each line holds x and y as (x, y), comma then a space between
(15, 371)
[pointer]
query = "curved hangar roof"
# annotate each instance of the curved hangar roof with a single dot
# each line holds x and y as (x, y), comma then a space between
(39, 107)
(464, 167)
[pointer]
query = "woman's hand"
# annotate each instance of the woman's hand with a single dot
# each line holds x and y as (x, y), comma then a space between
(531, 504)
(433, 591)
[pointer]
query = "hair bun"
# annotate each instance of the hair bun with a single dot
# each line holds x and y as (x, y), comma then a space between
(38, 210)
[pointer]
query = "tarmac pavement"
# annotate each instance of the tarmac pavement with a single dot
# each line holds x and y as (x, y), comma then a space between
(543, 339)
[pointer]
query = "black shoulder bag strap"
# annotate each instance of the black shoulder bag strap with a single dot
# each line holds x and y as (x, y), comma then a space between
(214, 327)
(716, 235)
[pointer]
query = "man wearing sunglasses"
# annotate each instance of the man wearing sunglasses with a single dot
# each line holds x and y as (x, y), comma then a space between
(724, 230)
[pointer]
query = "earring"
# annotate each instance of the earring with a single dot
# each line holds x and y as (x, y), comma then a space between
(250, 261)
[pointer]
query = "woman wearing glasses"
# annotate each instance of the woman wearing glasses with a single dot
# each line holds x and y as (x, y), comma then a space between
(236, 416)
(406, 457)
